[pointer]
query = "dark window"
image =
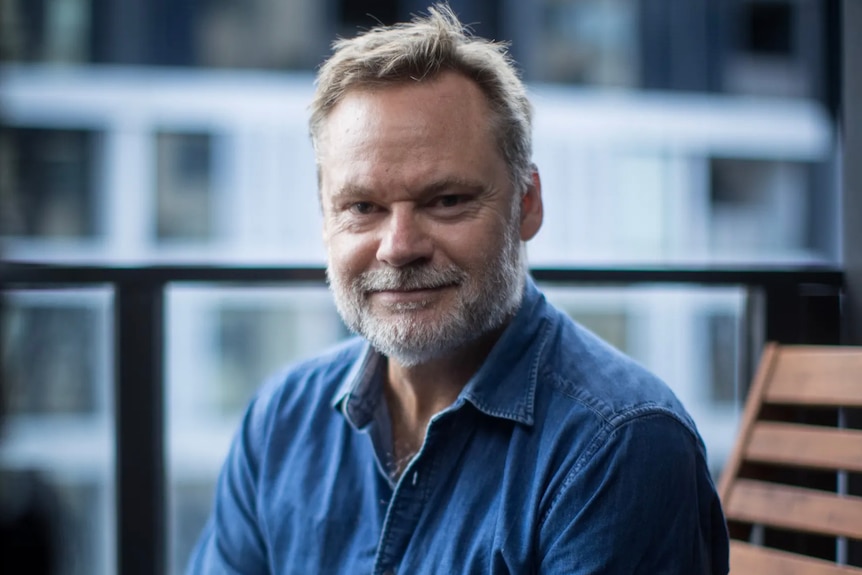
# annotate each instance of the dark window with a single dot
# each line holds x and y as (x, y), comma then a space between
(355, 15)
(768, 28)
(761, 206)
(47, 189)
(38, 31)
(184, 193)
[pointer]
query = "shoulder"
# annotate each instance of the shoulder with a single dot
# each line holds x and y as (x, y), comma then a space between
(299, 390)
(580, 369)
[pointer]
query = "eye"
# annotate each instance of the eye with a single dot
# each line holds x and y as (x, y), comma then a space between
(362, 208)
(449, 200)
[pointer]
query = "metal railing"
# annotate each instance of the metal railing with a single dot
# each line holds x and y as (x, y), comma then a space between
(799, 305)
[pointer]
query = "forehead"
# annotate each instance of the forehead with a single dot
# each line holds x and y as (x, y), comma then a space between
(429, 107)
(425, 127)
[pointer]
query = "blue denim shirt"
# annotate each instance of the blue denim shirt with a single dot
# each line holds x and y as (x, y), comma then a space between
(560, 455)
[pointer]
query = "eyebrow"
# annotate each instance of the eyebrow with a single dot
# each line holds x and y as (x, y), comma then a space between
(474, 186)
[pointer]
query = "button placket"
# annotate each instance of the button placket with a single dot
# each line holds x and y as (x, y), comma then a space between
(403, 513)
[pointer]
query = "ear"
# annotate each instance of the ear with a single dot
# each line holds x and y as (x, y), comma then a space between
(532, 211)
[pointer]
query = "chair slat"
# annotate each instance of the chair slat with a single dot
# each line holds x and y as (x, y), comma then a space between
(795, 508)
(805, 446)
(803, 376)
(817, 376)
(749, 416)
(748, 559)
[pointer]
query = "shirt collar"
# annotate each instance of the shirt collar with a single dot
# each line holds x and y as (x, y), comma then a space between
(504, 386)
(362, 389)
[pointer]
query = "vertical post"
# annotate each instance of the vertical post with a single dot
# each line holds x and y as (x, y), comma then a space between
(139, 416)
(851, 193)
(851, 128)
(782, 314)
(821, 314)
(803, 314)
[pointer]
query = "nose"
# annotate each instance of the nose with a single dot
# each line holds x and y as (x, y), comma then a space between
(403, 240)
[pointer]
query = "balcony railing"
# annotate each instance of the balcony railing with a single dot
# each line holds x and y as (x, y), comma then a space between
(790, 305)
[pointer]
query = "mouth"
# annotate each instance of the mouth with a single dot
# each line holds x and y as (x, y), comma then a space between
(412, 295)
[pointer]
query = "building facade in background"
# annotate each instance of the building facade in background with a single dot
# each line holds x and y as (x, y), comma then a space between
(143, 131)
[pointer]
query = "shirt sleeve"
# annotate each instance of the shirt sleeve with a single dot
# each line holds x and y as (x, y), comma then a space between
(642, 503)
(231, 542)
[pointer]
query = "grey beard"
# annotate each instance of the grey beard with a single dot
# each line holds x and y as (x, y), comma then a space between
(491, 299)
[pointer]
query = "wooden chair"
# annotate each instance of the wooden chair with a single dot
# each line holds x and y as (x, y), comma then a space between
(792, 488)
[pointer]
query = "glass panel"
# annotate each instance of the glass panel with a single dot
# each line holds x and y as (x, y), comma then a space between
(51, 366)
(722, 335)
(689, 336)
(56, 455)
(48, 181)
(184, 193)
(221, 344)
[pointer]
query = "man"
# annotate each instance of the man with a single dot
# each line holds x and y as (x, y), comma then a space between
(472, 428)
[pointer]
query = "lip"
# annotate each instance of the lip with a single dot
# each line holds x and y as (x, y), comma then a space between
(408, 296)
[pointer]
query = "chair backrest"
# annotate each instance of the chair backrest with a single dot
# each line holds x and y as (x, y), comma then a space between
(791, 488)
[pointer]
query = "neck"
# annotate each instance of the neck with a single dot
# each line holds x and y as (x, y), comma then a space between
(425, 389)
(415, 394)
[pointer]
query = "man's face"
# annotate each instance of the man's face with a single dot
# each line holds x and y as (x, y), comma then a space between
(421, 223)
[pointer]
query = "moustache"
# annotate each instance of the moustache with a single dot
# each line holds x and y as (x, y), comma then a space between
(410, 278)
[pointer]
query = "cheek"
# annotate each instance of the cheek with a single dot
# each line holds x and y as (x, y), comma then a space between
(349, 254)
(478, 245)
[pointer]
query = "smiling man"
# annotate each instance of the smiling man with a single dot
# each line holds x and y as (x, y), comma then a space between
(470, 427)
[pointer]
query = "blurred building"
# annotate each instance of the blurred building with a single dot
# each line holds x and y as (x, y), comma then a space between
(143, 131)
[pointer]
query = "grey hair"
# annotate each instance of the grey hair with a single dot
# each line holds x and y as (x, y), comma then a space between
(420, 50)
